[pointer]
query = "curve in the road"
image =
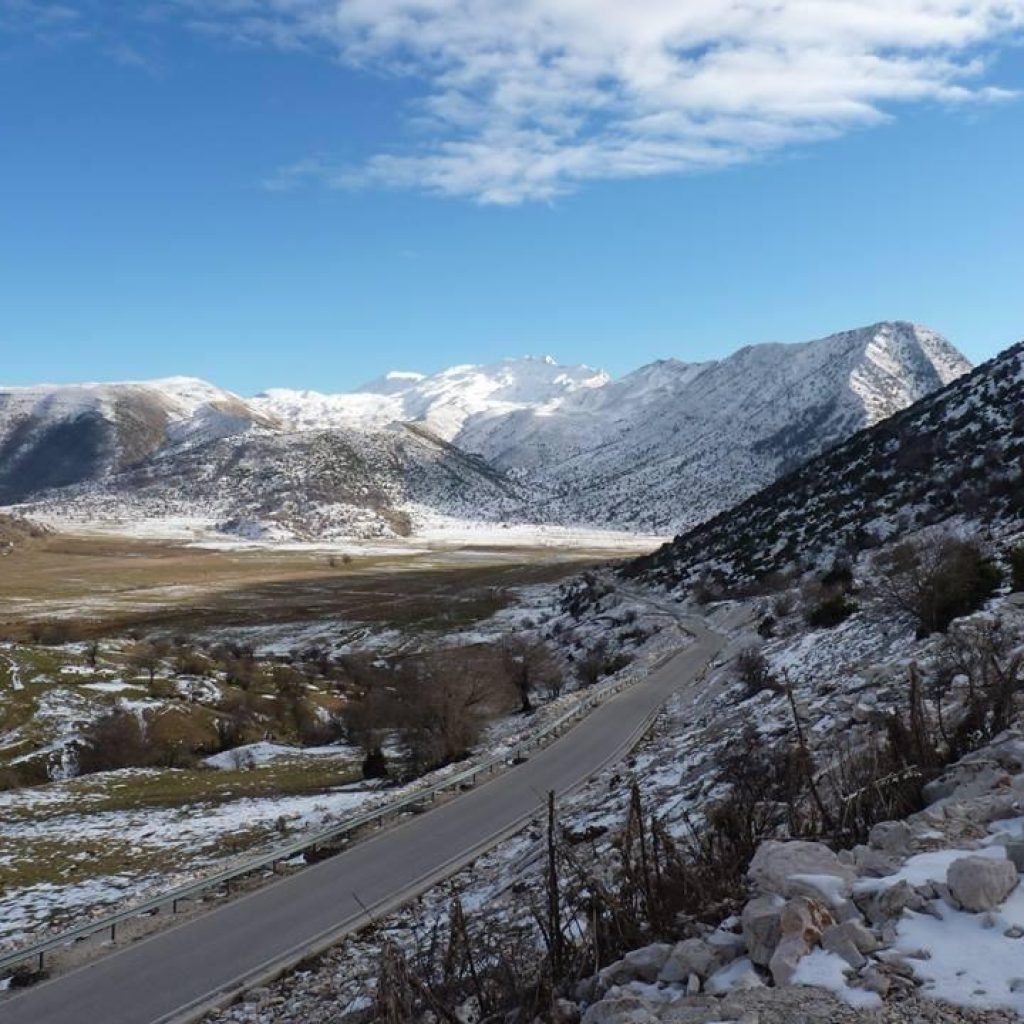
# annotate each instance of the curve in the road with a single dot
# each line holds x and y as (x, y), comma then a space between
(175, 974)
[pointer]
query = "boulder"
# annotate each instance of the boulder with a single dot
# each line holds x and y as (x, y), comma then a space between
(938, 789)
(645, 963)
(889, 904)
(588, 990)
(565, 1012)
(875, 981)
(761, 931)
(621, 1009)
(891, 837)
(981, 883)
(801, 923)
(775, 862)
(691, 956)
(861, 936)
(840, 942)
(872, 863)
(788, 954)
(642, 964)
(1015, 853)
(827, 889)
(805, 917)
(727, 945)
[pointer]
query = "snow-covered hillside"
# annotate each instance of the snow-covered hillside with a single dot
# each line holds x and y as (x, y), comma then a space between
(954, 456)
(672, 443)
(521, 441)
(666, 446)
(54, 436)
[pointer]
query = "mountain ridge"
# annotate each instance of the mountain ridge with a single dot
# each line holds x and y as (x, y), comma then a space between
(527, 440)
(953, 456)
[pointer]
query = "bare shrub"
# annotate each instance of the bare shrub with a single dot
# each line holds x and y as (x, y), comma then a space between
(707, 589)
(51, 634)
(936, 580)
(987, 655)
(599, 661)
(753, 671)
(190, 662)
(370, 716)
(237, 720)
(830, 609)
(117, 740)
(297, 713)
(241, 669)
(144, 657)
(590, 667)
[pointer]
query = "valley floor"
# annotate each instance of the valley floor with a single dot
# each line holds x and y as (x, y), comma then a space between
(92, 583)
(74, 846)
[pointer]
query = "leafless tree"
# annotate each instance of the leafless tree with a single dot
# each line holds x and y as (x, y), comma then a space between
(371, 714)
(144, 657)
(446, 698)
(529, 667)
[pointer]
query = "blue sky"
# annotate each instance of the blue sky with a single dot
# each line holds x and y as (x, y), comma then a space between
(234, 190)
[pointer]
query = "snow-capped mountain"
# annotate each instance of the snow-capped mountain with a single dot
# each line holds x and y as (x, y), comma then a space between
(673, 443)
(523, 440)
(310, 485)
(444, 402)
(56, 435)
(954, 458)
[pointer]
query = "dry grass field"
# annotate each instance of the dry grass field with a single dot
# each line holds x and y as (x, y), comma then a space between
(84, 587)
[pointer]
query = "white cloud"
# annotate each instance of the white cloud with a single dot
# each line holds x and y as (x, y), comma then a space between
(47, 22)
(528, 99)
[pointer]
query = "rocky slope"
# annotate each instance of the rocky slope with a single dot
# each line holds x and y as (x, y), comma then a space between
(673, 443)
(524, 441)
(317, 485)
(928, 906)
(955, 455)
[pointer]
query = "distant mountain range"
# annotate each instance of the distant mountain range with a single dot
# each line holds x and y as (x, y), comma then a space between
(523, 441)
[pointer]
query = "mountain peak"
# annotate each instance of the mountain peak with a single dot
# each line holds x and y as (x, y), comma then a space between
(442, 401)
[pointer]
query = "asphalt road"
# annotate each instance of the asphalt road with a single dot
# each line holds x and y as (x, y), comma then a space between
(176, 972)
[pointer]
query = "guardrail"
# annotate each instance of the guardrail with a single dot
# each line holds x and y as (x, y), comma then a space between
(311, 841)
